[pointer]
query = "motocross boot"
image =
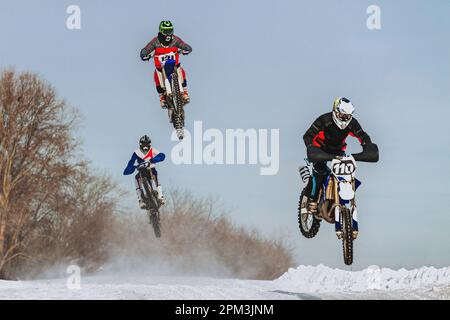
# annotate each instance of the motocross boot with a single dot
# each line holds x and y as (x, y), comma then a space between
(312, 206)
(162, 100)
(161, 197)
(186, 97)
(140, 197)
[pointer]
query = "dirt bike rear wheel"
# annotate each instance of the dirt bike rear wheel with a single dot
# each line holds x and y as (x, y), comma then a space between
(347, 236)
(308, 223)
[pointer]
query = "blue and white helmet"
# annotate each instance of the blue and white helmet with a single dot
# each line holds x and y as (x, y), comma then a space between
(342, 112)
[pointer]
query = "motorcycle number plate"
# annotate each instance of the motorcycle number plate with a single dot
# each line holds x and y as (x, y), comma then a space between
(164, 57)
(344, 168)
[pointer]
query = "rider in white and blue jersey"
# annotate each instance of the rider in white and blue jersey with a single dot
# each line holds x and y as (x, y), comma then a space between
(145, 153)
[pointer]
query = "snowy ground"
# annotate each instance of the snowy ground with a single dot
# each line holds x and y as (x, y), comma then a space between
(318, 282)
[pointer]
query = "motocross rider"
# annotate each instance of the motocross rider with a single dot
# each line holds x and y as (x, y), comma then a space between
(328, 133)
(145, 153)
(166, 42)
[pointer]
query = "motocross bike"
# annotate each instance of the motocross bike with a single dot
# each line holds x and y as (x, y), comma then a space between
(173, 89)
(337, 204)
(150, 196)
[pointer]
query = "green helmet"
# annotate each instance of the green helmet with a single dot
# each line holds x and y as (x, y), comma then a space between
(166, 28)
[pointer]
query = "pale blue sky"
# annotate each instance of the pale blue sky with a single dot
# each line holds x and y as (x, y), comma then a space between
(397, 77)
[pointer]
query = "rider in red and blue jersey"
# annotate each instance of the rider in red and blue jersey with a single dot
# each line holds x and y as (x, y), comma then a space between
(166, 42)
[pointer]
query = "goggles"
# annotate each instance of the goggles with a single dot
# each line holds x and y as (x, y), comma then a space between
(168, 32)
(343, 116)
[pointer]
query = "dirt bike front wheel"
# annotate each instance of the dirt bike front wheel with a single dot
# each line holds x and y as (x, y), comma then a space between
(347, 235)
(154, 220)
(178, 114)
(153, 207)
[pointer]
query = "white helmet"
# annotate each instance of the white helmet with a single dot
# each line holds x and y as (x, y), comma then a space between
(342, 112)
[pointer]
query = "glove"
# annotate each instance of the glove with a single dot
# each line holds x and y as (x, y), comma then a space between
(144, 164)
(369, 154)
(145, 55)
(185, 53)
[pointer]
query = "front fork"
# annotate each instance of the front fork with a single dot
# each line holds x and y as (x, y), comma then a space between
(167, 84)
(140, 190)
(337, 210)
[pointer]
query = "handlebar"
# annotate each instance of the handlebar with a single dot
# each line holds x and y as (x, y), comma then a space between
(179, 51)
(369, 154)
(142, 165)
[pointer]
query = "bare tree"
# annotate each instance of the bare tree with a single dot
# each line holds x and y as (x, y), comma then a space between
(47, 195)
(36, 145)
(198, 237)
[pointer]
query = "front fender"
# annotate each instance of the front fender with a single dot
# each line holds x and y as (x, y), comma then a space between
(346, 191)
